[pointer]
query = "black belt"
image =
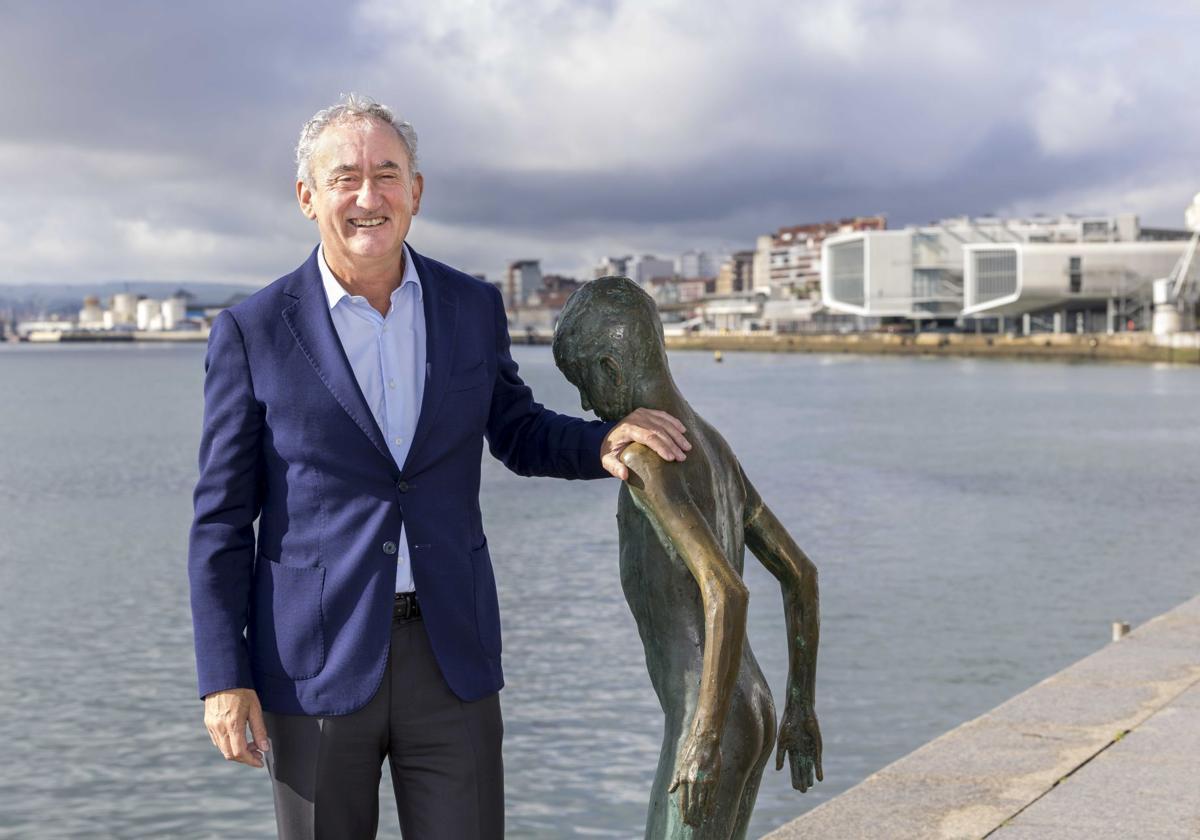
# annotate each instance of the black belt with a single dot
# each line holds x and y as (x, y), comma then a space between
(406, 607)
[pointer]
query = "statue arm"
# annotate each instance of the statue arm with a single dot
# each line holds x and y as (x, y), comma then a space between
(799, 731)
(660, 492)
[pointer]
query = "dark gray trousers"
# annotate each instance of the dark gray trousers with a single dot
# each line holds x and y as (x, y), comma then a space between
(444, 754)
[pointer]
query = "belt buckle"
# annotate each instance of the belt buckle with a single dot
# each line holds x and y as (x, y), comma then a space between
(406, 606)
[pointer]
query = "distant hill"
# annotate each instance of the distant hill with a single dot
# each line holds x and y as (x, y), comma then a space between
(68, 297)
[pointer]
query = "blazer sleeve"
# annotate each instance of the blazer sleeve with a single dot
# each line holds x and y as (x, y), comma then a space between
(227, 501)
(527, 437)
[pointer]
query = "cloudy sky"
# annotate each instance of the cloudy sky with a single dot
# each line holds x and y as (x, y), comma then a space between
(152, 140)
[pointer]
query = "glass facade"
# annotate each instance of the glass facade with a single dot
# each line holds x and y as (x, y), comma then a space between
(995, 274)
(846, 271)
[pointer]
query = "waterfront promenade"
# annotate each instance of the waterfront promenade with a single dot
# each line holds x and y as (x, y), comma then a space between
(1126, 346)
(1107, 748)
(1182, 348)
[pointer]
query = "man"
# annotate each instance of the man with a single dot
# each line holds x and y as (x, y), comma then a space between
(345, 409)
(683, 530)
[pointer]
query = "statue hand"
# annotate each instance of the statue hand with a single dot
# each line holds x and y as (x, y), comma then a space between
(696, 775)
(800, 739)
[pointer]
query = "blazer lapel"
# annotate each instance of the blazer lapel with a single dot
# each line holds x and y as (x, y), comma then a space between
(311, 324)
(441, 321)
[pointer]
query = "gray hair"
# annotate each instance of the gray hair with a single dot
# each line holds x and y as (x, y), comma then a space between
(353, 107)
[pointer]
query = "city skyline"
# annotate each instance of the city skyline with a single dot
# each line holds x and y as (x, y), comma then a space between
(150, 141)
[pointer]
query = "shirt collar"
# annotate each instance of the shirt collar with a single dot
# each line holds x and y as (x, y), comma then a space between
(334, 290)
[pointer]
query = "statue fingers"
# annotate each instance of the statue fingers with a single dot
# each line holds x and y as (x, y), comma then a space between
(707, 798)
(695, 805)
(800, 771)
(683, 790)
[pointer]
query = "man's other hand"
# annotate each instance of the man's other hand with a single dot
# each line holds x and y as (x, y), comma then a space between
(656, 429)
(226, 714)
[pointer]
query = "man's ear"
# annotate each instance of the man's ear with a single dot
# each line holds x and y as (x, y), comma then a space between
(418, 188)
(304, 197)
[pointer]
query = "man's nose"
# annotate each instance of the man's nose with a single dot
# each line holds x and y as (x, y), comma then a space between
(368, 195)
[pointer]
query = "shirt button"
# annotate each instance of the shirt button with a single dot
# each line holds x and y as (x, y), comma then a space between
(391, 383)
(398, 440)
(389, 547)
(402, 486)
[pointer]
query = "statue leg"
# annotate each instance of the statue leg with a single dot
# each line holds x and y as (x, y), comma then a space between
(658, 822)
(745, 749)
(765, 713)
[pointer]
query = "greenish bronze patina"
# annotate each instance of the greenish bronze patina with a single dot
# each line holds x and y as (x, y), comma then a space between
(683, 530)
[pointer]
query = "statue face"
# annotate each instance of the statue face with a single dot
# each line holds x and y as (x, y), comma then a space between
(595, 337)
(601, 388)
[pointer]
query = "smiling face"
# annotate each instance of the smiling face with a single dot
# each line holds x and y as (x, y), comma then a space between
(362, 196)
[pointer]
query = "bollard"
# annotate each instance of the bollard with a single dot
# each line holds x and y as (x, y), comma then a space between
(1120, 629)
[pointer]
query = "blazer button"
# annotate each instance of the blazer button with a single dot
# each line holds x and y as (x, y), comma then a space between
(389, 547)
(402, 486)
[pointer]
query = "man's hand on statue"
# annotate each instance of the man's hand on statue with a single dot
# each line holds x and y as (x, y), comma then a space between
(656, 429)
(226, 714)
(696, 775)
(800, 739)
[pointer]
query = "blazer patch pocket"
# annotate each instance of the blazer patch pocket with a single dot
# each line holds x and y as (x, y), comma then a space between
(461, 380)
(288, 638)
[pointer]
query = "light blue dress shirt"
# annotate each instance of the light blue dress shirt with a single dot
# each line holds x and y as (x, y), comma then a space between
(387, 355)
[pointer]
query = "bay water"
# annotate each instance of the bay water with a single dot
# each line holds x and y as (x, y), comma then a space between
(977, 525)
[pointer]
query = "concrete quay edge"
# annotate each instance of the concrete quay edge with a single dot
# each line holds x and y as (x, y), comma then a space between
(1082, 754)
(1126, 347)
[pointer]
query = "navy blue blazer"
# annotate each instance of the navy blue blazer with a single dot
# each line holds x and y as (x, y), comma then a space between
(302, 611)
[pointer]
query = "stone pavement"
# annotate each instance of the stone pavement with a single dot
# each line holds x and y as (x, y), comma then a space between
(1107, 748)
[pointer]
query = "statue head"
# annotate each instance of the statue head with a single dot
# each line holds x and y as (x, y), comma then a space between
(609, 340)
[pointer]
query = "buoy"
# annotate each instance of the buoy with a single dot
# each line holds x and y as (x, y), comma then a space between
(717, 357)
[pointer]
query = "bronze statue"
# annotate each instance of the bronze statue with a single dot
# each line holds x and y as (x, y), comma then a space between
(683, 528)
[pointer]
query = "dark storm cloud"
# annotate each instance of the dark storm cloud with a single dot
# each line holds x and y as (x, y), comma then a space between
(154, 139)
(166, 77)
(1003, 167)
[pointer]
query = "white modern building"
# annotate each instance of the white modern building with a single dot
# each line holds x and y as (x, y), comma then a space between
(1001, 279)
(921, 272)
(788, 262)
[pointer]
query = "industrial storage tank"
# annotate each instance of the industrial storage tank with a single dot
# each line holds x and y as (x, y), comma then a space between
(174, 310)
(149, 314)
(124, 308)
